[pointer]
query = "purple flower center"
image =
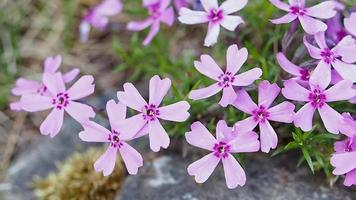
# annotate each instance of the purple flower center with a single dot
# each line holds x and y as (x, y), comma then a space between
(304, 74)
(154, 10)
(42, 90)
(221, 149)
(297, 10)
(225, 80)
(151, 112)
(215, 15)
(317, 98)
(328, 56)
(261, 114)
(115, 139)
(61, 100)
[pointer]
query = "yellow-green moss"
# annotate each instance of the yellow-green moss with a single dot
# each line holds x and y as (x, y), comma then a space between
(76, 179)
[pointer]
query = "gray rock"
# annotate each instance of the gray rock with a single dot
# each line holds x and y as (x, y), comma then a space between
(267, 178)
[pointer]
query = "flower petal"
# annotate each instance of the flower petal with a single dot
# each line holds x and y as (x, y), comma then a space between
(245, 142)
(106, 162)
(287, 65)
(314, 52)
(131, 97)
(209, 4)
(79, 111)
(321, 76)
(248, 77)
(132, 158)
(139, 25)
(235, 58)
(311, 25)
(293, 91)
(82, 88)
(200, 137)
(244, 102)
(223, 132)
(25, 86)
(116, 112)
(343, 162)
(203, 93)
(54, 83)
(269, 137)
(231, 22)
(212, 35)
(71, 75)
(231, 6)
(267, 93)
(350, 178)
(281, 5)
(347, 125)
(35, 102)
(157, 135)
(304, 117)
(234, 174)
(51, 64)
(331, 118)
(153, 32)
(203, 167)
(349, 23)
(167, 17)
(94, 132)
(177, 112)
(284, 19)
(131, 127)
(16, 106)
(228, 96)
(208, 67)
(53, 123)
(188, 16)
(346, 70)
(245, 125)
(158, 89)
(320, 40)
(283, 112)
(324, 10)
(340, 91)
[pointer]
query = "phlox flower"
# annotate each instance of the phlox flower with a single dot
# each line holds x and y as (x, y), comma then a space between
(159, 11)
(60, 100)
(178, 4)
(215, 15)
(301, 74)
(150, 112)
(336, 31)
(344, 158)
(98, 17)
(349, 23)
(221, 150)
(316, 98)
(117, 140)
(262, 113)
(25, 86)
(339, 57)
(306, 16)
(225, 81)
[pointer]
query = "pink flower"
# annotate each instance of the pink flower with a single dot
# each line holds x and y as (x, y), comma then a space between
(340, 57)
(159, 12)
(117, 140)
(150, 112)
(302, 74)
(98, 17)
(178, 4)
(317, 97)
(225, 81)
(336, 31)
(296, 9)
(261, 114)
(60, 100)
(350, 22)
(221, 150)
(215, 15)
(344, 158)
(26, 86)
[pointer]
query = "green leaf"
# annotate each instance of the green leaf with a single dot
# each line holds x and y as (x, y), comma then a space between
(308, 159)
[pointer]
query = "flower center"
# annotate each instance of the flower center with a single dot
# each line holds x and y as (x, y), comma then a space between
(221, 149)
(215, 15)
(225, 80)
(154, 10)
(317, 98)
(115, 139)
(61, 101)
(260, 114)
(151, 112)
(328, 56)
(297, 10)
(304, 74)
(42, 90)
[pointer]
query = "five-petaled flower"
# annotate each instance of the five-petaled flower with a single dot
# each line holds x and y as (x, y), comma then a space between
(150, 112)
(227, 141)
(25, 86)
(215, 15)
(296, 9)
(225, 81)
(261, 114)
(340, 57)
(98, 17)
(116, 138)
(159, 12)
(317, 97)
(60, 100)
(344, 158)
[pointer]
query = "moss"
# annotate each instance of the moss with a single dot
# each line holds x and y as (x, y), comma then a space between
(76, 179)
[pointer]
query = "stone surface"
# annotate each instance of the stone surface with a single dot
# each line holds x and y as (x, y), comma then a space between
(267, 178)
